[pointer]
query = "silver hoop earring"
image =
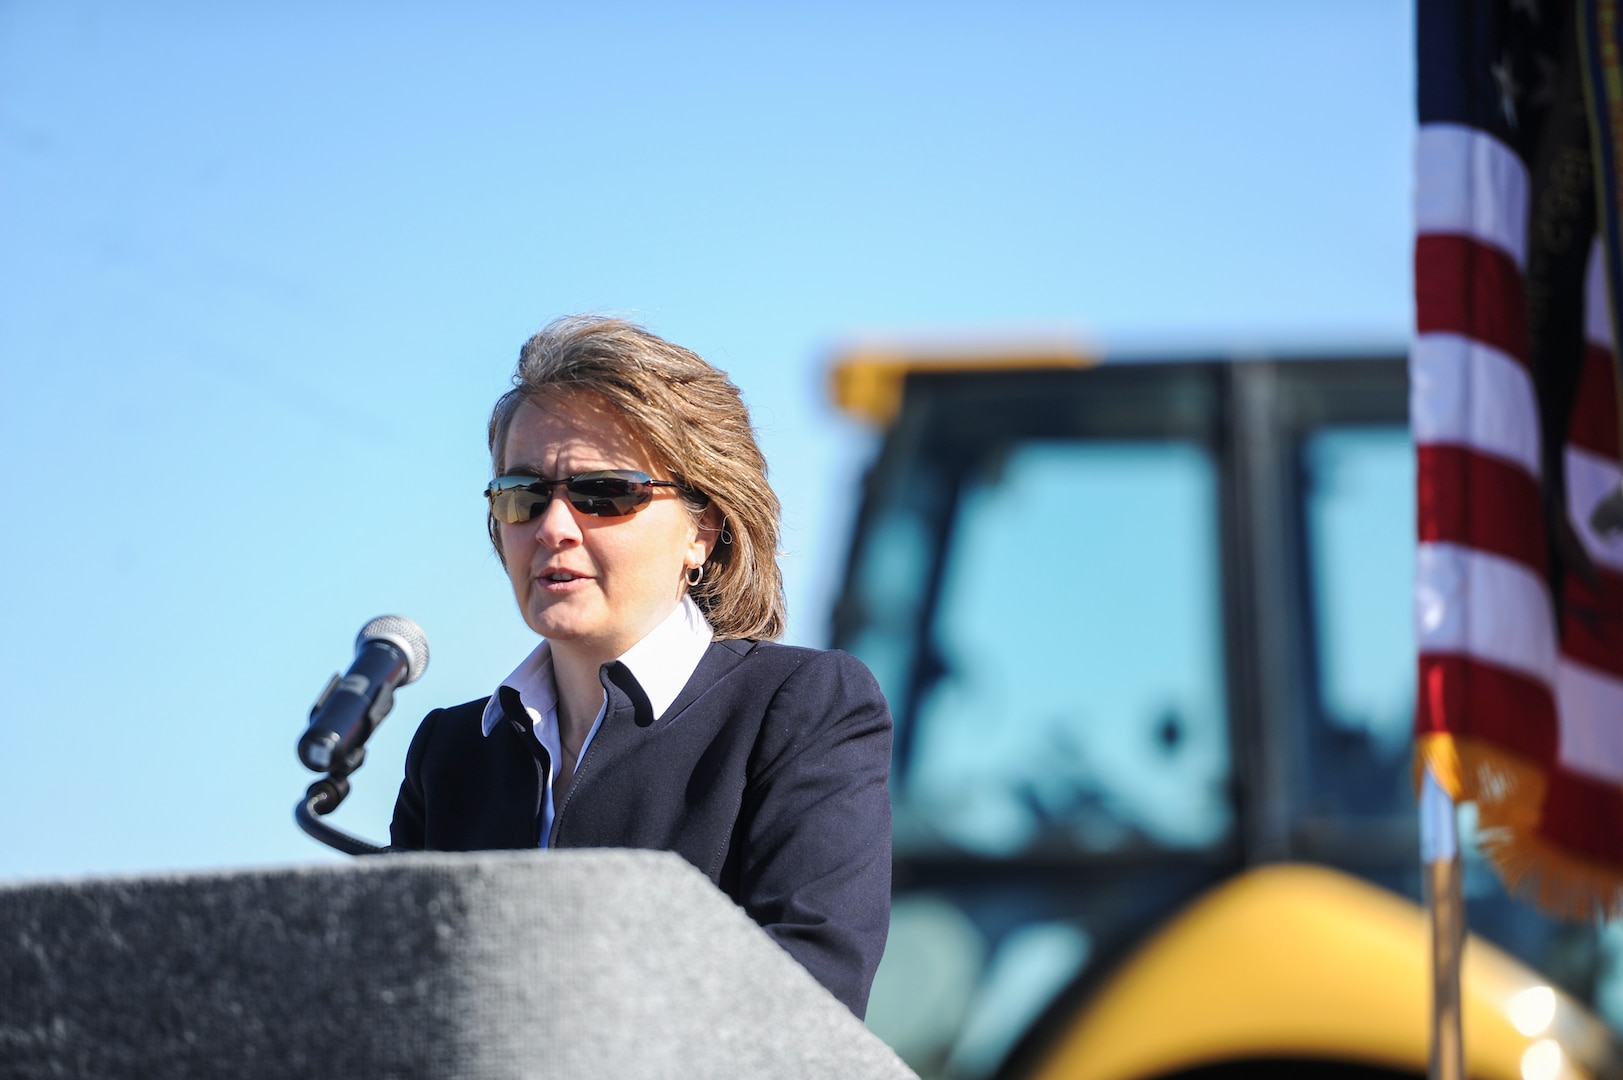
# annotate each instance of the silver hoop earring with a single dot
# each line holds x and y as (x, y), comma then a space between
(726, 534)
(694, 575)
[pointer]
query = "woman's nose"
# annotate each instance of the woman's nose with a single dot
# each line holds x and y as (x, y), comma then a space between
(557, 526)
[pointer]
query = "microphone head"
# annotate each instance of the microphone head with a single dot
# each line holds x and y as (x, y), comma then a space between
(404, 635)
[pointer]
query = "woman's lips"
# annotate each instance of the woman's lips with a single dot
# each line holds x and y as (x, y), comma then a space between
(558, 580)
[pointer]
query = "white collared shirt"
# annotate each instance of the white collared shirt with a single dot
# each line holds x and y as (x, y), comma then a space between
(662, 662)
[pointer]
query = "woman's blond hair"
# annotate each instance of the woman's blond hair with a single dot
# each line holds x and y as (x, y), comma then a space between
(694, 423)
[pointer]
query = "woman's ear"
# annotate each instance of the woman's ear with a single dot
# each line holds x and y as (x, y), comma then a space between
(495, 531)
(706, 535)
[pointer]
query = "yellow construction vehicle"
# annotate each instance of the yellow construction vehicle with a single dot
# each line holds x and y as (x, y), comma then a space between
(1145, 630)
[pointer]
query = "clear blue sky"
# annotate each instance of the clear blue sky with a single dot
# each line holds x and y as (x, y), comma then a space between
(264, 267)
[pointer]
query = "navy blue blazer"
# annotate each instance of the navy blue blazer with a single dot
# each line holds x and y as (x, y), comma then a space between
(768, 772)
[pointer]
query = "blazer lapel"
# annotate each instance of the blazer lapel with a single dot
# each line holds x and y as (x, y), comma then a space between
(721, 658)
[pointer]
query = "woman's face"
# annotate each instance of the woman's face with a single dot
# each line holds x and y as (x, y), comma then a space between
(593, 585)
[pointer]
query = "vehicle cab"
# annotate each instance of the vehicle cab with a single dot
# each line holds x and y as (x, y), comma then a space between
(1145, 629)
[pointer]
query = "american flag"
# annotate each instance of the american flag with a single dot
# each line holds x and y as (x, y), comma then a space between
(1514, 408)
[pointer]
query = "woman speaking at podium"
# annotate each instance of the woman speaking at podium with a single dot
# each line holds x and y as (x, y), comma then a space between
(631, 509)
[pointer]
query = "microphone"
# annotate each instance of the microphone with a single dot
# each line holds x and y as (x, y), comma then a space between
(390, 651)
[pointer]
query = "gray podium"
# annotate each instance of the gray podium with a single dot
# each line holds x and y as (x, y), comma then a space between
(543, 964)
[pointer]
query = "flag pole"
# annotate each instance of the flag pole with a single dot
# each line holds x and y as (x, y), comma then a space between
(1445, 906)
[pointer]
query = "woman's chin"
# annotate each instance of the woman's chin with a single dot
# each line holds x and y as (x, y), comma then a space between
(558, 623)
(554, 629)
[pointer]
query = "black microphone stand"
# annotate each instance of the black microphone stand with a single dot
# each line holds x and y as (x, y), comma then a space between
(322, 798)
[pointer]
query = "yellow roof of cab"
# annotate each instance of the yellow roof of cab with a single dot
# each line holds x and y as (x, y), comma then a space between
(866, 379)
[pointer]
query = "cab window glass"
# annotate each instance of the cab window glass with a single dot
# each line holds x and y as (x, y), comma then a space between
(891, 584)
(1360, 497)
(1080, 700)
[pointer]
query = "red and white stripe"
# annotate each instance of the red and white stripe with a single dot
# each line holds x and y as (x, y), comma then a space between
(1491, 658)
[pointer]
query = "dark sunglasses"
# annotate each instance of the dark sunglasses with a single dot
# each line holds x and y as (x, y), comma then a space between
(611, 493)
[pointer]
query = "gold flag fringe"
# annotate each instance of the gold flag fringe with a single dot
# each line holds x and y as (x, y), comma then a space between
(1509, 796)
